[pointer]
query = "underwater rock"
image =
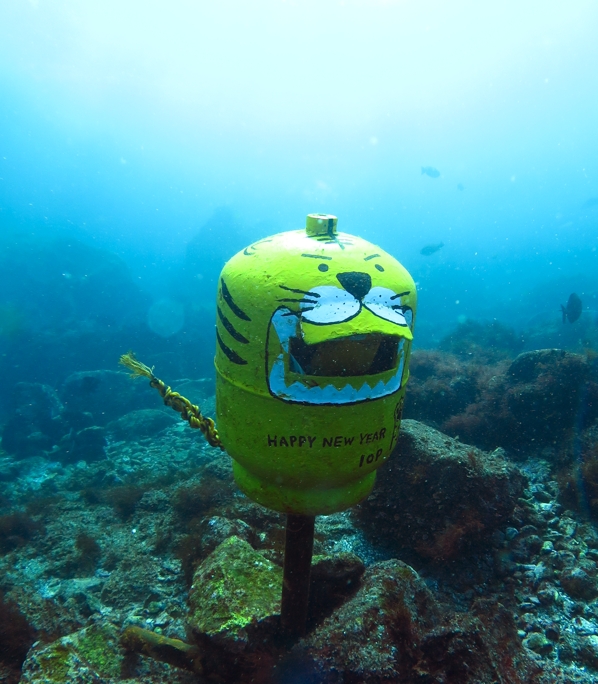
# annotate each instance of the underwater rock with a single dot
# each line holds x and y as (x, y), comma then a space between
(135, 580)
(441, 385)
(536, 402)
(394, 630)
(86, 445)
(34, 423)
(90, 656)
(547, 389)
(142, 423)
(333, 580)
(217, 529)
(439, 498)
(234, 609)
(235, 592)
(578, 584)
(106, 394)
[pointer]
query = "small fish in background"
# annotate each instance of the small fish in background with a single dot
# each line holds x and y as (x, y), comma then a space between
(592, 202)
(430, 249)
(430, 171)
(460, 186)
(572, 311)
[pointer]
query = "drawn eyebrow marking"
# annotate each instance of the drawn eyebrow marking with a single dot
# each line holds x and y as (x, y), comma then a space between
(305, 292)
(401, 294)
(372, 256)
(317, 256)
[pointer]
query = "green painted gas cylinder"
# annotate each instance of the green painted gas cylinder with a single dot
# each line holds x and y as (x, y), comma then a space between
(314, 331)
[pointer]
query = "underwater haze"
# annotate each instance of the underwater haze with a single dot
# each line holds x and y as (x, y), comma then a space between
(133, 127)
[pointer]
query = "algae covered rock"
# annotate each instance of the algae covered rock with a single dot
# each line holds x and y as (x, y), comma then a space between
(394, 630)
(235, 591)
(90, 656)
(438, 497)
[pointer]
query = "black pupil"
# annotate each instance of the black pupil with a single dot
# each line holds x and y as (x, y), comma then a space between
(323, 267)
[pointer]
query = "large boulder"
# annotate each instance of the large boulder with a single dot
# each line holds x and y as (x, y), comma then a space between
(438, 498)
(394, 630)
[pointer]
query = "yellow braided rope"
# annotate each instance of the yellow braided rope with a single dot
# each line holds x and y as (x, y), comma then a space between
(189, 412)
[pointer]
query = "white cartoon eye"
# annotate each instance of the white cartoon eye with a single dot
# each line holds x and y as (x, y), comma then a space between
(329, 304)
(386, 304)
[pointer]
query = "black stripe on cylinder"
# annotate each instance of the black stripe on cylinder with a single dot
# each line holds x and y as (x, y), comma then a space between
(228, 298)
(230, 328)
(230, 354)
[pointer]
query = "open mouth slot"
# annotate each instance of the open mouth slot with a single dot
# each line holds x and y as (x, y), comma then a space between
(344, 370)
(344, 357)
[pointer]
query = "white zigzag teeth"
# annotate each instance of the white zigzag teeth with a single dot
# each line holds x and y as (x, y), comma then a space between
(286, 326)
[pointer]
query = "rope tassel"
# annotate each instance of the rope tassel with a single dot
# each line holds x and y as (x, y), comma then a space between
(189, 412)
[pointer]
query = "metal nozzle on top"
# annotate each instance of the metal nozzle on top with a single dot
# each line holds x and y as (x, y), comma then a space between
(321, 224)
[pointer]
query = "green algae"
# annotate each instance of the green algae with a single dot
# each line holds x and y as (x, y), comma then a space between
(54, 662)
(99, 647)
(89, 653)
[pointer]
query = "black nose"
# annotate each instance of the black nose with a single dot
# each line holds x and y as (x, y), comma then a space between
(358, 284)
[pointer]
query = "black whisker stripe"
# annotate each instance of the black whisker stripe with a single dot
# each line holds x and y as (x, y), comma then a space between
(401, 294)
(232, 356)
(372, 256)
(226, 295)
(230, 328)
(305, 292)
(307, 301)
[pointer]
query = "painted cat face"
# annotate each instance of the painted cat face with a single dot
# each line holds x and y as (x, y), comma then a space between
(315, 319)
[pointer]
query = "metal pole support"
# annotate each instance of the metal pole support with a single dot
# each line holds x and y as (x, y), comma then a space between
(299, 543)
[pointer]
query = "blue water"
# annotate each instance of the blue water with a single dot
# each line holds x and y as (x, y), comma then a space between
(129, 128)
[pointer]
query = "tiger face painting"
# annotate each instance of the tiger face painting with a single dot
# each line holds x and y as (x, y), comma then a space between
(318, 322)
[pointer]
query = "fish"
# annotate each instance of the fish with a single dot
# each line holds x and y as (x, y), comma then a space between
(460, 186)
(430, 171)
(572, 311)
(430, 249)
(592, 202)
